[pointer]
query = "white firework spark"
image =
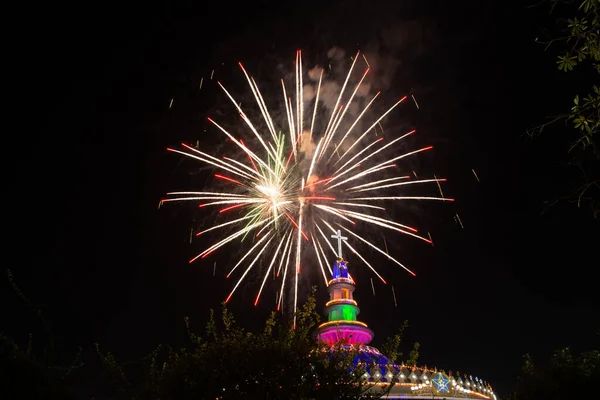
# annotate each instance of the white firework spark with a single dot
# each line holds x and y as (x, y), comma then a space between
(273, 195)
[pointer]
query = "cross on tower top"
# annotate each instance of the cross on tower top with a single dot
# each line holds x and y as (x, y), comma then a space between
(339, 238)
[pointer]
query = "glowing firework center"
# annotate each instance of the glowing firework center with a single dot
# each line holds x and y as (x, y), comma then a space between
(342, 327)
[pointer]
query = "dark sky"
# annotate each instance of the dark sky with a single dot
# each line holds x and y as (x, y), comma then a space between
(87, 165)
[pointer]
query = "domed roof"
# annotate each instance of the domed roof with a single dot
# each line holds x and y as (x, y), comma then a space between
(377, 366)
(407, 381)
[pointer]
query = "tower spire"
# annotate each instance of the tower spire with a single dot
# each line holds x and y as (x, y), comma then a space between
(339, 238)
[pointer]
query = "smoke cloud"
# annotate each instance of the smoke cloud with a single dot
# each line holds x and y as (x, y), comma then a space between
(392, 55)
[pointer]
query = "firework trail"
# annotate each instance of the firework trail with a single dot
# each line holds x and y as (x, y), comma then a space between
(287, 199)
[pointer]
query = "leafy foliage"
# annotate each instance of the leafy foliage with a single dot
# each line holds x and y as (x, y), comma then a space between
(228, 363)
(579, 46)
(564, 376)
(225, 362)
(391, 347)
(32, 371)
(413, 355)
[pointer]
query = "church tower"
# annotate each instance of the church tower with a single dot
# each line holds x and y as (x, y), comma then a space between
(343, 328)
(342, 310)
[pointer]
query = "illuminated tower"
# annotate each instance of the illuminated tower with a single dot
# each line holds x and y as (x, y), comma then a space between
(342, 309)
(344, 330)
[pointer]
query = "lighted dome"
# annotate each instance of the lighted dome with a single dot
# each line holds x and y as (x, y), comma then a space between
(343, 329)
(378, 367)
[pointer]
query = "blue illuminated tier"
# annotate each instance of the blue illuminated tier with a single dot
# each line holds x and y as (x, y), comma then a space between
(340, 269)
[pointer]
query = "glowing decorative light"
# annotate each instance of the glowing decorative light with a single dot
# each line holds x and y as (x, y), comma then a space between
(344, 322)
(340, 301)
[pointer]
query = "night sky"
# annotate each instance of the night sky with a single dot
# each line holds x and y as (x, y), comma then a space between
(86, 166)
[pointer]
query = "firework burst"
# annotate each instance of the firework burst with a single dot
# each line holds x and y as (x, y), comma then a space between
(289, 200)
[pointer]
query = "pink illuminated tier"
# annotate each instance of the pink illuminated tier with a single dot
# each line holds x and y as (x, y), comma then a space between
(342, 310)
(345, 333)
